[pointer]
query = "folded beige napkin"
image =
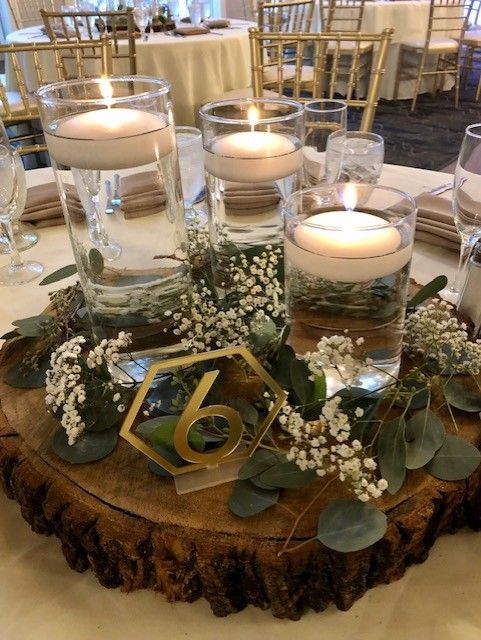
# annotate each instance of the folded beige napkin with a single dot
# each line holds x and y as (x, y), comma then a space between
(250, 198)
(218, 23)
(43, 208)
(142, 194)
(435, 222)
(191, 31)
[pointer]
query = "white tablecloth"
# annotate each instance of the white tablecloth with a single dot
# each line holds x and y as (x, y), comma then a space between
(200, 68)
(42, 599)
(409, 19)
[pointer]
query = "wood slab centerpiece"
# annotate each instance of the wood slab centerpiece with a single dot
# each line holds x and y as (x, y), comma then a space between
(133, 531)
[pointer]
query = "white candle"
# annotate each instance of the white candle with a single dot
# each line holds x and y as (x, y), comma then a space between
(110, 138)
(253, 156)
(347, 246)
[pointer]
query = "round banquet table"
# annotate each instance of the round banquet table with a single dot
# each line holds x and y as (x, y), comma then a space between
(200, 68)
(42, 599)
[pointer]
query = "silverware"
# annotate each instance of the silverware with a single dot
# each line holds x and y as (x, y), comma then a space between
(109, 207)
(116, 199)
(437, 191)
(216, 33)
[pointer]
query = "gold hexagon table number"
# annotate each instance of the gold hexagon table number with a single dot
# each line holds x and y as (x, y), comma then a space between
(200, 469)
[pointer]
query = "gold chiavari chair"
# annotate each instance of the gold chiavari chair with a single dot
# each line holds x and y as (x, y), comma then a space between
(88, 25)
(471, 45)
(25, 13)
(335, 67)
(342, 15)
(293, 15)
(446, 26)
(18, 106)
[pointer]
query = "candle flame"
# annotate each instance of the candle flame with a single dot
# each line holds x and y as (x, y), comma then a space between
(106, 90)
(350, 197)
(252, 116)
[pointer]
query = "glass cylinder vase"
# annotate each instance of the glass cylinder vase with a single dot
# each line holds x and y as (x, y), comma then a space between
(253, 162)
(348, 251)
(113, 150)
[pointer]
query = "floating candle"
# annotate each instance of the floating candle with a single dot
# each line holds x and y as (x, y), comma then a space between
(347, 246)
(110, 138)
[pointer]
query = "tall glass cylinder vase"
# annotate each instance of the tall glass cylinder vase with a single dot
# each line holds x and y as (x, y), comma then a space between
(113, 150)
(253, 162)
(348, 251)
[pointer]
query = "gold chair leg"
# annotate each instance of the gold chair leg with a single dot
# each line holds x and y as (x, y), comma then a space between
(418, 82)
(398, 73)
(478, 90)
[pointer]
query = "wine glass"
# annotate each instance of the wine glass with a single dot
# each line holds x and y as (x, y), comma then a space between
(18, 271)
(191, 165)
(466, 203)
(142, 15)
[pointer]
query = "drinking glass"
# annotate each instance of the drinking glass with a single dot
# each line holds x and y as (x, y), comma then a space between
(354, 156)
(466, 203)
(18, 271)
(199, 10)
(142, 15)
(321, 117)
(191, 164)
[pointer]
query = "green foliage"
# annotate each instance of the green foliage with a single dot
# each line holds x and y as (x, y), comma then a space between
(425, 434)
(60, 274)
(455, 460)
(392, 453)
(428, 291)
(18, 377)
(248, 413)
(260, 461)
(247, 500)
(96, 261)
(33, 327)
(460, 396)
(287, 475)
(89, 447)
(160, 432)
(350, 525)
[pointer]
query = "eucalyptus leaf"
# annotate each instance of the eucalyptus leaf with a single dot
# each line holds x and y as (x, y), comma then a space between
(462, 397)
(282, 367)
(96, 261)
(420, 395)
(287, 475)
(303, 387)
(170, 456)
(264, 333)
(30, 379)
(248, 412)
(60, 274)
(246, 499)
(353, 397)
(163, 434)
(350, 525)
(391, 453)
(424, 434)
(256, 481)
(32, 327)
(89, 447)
(260, 461)
(455, 460)
(428, 291)
(10, 334)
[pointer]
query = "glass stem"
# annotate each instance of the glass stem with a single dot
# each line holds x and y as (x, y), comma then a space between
(464, 253)
(16, 261)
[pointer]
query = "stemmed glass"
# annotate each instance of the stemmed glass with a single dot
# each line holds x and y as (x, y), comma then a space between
(142, 15)
(18, 271)
(466, 202)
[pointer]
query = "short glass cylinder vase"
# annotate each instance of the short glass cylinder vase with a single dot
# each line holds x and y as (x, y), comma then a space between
(348, 251)
(253, 162)
(113, 149)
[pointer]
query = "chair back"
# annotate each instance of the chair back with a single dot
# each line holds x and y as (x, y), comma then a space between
(447, 19)
(25, 13)
(294, 15)
(89, 25)
(341, 15)
(336, 67)
(71, 61)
